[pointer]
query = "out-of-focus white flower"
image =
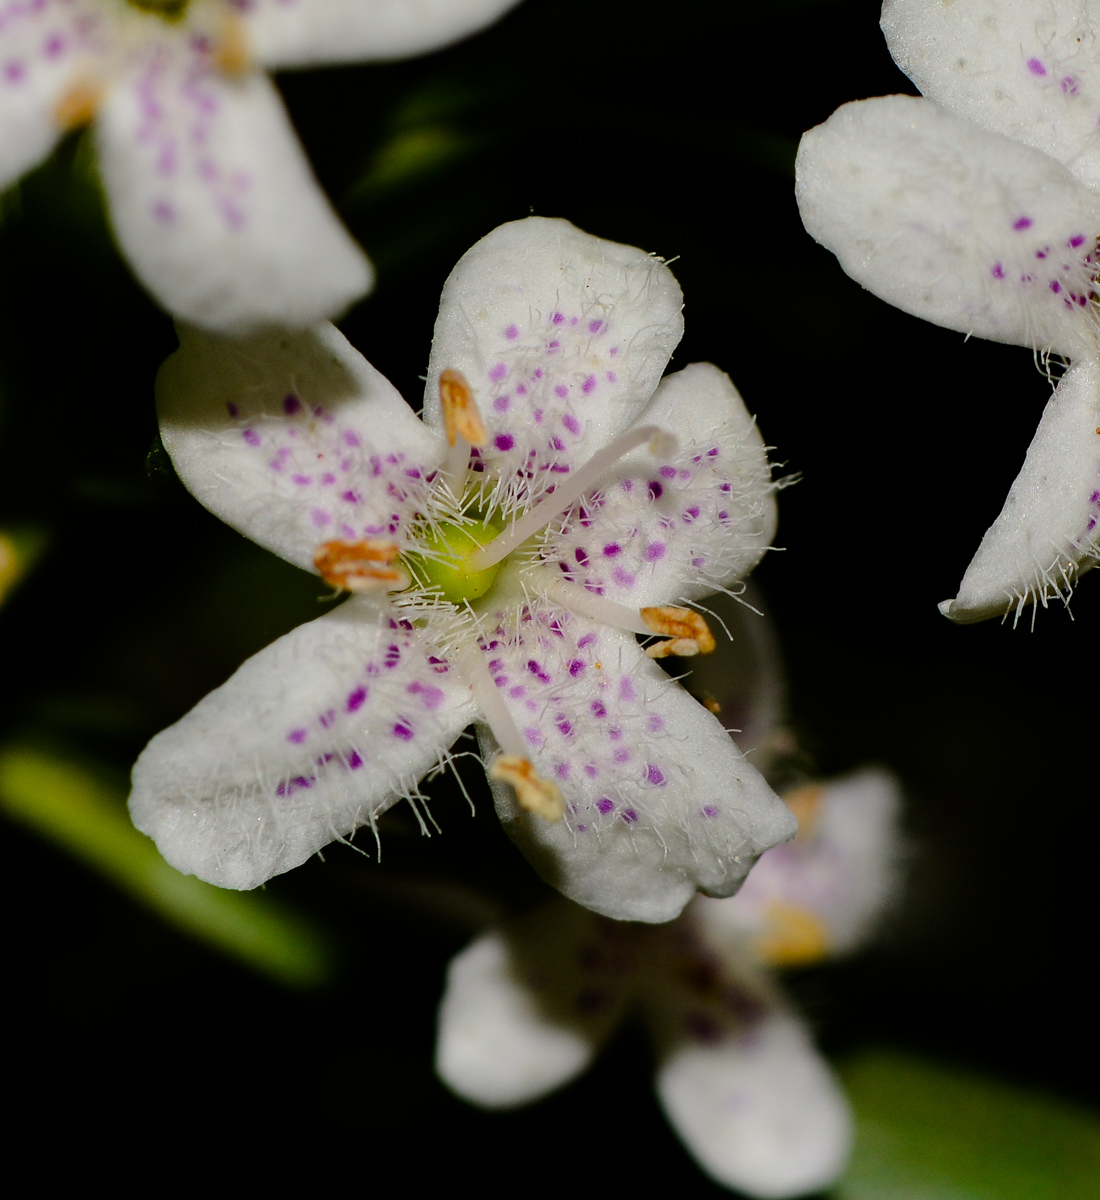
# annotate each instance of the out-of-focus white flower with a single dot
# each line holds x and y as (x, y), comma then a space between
(978, 208)
(528, 1004)
(210, 196)
(559, 498)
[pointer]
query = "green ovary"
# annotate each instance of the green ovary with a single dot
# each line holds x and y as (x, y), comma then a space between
(450, 572)
(171, 10)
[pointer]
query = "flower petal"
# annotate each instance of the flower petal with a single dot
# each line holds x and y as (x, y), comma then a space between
(838, 874)
(1048, 532)
(299, 33)
(42, 49)
(563, 338)
(951, 223)
(527, 1006)
(293, 438)
(684, 525)
(756, 1105)
(213, 201)
(1030, 71)
(311, 738)
(659, 801)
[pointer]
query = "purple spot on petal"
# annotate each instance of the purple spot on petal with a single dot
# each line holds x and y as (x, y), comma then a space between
(354, 761)
(356, 699)
(498, 372)
(403, 730)
(296, 736)
(997, 271)
(654, 551)
(1036, 67)
(710, 811)
(655, 776)
(571, 423)
(561, 390)
(604, 805)
(595, 326)
(629, 816)
(504, 441)
(251, 437)
(1022, 223)
(511, 333)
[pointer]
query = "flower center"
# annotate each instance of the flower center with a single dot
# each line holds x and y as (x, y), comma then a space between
(170, 10)
(443, 560)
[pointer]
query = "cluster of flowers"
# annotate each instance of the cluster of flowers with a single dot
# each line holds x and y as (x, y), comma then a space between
(977, 206)
(560, 498)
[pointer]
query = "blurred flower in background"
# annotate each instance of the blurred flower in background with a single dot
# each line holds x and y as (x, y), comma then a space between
(978, 207)
(528, 1004)
(210, 196)
(641, 494)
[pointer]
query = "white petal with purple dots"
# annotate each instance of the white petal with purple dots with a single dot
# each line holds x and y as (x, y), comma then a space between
(298, 33)
(293, 437)
(563, 338)
(310, 739)
(40, 47)
(1048, 532)
(213, 201)
(659, 801)
(1029, 69)
(954, 224)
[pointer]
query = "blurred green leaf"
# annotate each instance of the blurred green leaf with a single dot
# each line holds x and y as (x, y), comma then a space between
(926, 1131)
(71, 807)
(20, 549)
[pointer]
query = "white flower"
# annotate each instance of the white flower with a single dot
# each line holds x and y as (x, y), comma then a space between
(562, 520)
(979, 208)
(528, 1005)
(210, 196)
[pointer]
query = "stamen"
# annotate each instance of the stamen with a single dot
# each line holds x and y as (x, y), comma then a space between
(563, 497)
(587, 604)
(463, 423)
(688, 633)
(535, 794)
(512, 765)
(361, 566)
(78, 106)
(231, 47)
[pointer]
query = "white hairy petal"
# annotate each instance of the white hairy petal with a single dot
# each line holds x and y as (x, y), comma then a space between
(526, 1006)
(293, 438)
(213, 201)
(300, 33)
(312, 738)
(1027, 69)
(659, 801)
(759, 1108)
(563, 338)
(1049, 529)
(952, 223)
(684, 523)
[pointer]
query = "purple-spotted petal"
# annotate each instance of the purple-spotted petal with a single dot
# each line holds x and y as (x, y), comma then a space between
(293, 438)
(563, 338)
(213, 201)
(527, 1005)
(1027, 70)
(43, 47)
(954, 224)
(311, 738)
(299, 33)
(659, 801)
(1048, 532)
(680, 526)
(842, 869)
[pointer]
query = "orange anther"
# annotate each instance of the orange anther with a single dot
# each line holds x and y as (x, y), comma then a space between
(460, 414)
(535, 794)
(365, 566)
(686, 630)
(230, 54)
(78, 106)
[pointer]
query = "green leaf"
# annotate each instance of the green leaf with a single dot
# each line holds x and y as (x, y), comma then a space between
(72, 807)
(926, 1131)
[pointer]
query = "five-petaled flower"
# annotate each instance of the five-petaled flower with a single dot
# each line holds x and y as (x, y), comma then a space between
(210, 196)
(978, 207)
(528, 1004)
(558, 499)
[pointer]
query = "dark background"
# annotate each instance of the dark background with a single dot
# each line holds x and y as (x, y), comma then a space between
(670, 127)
